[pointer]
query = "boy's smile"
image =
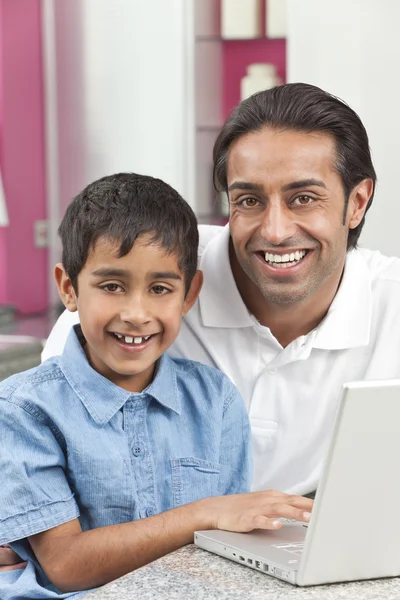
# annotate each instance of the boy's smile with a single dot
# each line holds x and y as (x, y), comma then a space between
(130, 308)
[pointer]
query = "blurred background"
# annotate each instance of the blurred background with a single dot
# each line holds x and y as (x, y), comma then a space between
(92, 87)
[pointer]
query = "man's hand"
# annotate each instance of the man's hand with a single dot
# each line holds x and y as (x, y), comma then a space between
(257, 510)
(9, 561)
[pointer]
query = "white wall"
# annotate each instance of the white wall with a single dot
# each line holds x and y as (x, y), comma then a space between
(351, 48)
(123, 68)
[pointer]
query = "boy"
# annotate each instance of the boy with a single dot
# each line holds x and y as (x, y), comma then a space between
(113, 454)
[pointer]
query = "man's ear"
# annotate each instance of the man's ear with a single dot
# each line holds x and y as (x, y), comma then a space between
(193, 292)
(65, 288)
(358, 202)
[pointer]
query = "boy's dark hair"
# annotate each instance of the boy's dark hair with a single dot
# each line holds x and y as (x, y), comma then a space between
(302, 107)
(122, 207)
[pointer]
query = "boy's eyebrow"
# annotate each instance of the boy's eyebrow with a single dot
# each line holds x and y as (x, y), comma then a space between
(113, 272)
(110, 272)
(165, 275)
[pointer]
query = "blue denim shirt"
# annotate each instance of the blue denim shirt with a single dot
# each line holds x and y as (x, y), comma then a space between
(74, 445)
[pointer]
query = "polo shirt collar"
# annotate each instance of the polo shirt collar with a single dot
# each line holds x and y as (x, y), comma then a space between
(220, 302)
(348, 321)
(346, 325)
(100, 396)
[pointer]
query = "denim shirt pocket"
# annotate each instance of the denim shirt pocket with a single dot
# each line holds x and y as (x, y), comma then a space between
(193, 479)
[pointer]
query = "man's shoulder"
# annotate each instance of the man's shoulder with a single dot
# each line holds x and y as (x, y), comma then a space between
(381, 268)
(206, 234)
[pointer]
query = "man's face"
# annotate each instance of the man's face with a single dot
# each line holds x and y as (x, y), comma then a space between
(130, 308)
(287, 221)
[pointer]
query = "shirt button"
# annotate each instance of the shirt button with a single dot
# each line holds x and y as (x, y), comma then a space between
(272, 371)
(149, 512)
(136, 450)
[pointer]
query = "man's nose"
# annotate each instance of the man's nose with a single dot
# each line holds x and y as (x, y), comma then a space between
(278, 223)
(135, 310)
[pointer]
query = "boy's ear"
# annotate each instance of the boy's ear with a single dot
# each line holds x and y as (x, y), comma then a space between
(65, 288)
(193, 292)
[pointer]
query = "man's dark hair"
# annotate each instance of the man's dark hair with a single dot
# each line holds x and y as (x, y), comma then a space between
(307, 108)
(122, 207)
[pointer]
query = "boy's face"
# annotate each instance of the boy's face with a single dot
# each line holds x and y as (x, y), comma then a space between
(130, 308)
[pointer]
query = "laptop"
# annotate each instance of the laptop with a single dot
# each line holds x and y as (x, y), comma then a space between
(354, 530)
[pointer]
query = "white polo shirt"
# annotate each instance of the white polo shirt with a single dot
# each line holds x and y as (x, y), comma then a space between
(291, 393)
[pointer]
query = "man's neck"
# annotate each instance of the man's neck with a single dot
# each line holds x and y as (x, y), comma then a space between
(287, 321)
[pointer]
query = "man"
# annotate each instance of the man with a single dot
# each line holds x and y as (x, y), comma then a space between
(290, 308)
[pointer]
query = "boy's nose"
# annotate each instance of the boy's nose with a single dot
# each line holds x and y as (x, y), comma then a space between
(135, 312)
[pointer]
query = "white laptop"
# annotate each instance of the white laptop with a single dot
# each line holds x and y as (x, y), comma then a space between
(354, 531)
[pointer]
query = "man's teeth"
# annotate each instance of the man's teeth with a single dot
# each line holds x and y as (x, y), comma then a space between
(132, 340)
(285, 260)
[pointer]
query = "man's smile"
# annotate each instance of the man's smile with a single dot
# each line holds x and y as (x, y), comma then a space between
(289, 259)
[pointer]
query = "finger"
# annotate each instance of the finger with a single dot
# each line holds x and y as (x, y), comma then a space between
(8, 557)
(288, 512)
(270, 493)
(300, 502)
(20, 565)
(263, 522)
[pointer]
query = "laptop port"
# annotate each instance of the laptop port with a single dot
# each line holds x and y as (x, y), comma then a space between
(258, 564)
(265, 567)
(241, 558)
(250, 561)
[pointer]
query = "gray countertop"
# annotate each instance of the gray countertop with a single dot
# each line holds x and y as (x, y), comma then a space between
(191, 573)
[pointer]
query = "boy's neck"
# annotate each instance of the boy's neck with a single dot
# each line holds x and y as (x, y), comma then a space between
(135, 383)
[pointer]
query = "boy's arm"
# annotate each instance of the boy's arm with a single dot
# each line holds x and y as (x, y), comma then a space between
(76, 560)
(9, 560)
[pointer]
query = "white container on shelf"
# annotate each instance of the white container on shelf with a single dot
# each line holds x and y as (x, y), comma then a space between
(241, 19)
(275, 18)
(260, 76)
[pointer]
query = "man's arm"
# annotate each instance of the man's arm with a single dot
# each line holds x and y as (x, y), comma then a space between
(58, 336)
(75, 560)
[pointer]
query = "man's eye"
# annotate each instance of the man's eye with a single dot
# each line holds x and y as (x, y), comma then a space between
(159, 290)
(248, 202)
(302, 200)
(112, 287)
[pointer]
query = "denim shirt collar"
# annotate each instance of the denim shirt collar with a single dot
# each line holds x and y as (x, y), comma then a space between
(100, 396)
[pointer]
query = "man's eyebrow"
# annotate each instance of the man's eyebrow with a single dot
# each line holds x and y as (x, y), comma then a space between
(244, 185)
(110, 272)
(295, 185)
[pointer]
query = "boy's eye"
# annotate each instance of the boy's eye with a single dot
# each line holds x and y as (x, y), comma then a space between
(159, 290)
(112, 287)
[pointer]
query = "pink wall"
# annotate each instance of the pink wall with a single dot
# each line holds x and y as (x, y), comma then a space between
(23, 268)
(3, 232)
(237, 54)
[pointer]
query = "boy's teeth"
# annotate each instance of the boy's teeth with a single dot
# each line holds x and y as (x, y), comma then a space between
(132, 340)
(286, 260)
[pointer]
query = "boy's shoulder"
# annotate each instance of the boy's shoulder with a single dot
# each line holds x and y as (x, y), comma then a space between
(209, 380)
(29, 382)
